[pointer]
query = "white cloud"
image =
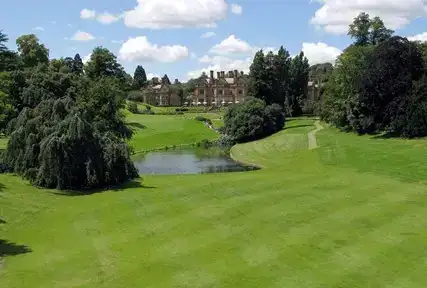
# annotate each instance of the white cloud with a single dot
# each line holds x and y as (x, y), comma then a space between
(208, 34)
(232, 45)
(236, 9)
(38, 28)
(152, 75)
(82, 36)
(336, 15)
(140, 49)
(320, 53)
(420, 37)
(87, 14)
(221, 63)
(86, 58)
(107, 18)
(157, 14)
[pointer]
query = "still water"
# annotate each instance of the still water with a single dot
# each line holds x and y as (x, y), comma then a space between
(188, 161)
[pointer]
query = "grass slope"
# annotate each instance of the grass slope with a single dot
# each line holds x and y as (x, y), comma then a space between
(156, 131)
(349, 214)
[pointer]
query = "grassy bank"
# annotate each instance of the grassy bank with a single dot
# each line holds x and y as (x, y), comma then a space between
(351, 213)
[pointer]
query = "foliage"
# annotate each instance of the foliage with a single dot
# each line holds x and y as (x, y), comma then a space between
(203, 119)
(279, 79)
(132, 107)
(69, 133)
(77, 66)
(299, 71)
(139, 78)
(103, 63)
(375, 86)
(252, 120)
(367, 31)
(7, 111)
(31, 51)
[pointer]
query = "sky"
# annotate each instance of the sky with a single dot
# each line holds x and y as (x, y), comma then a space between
(183, 38)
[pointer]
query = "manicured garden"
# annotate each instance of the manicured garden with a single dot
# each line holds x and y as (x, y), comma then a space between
(351, 213)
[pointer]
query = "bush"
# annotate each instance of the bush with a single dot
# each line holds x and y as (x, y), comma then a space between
(181, 109)
(252, 120)
(133, 107)
(135, 96)
(203, 119)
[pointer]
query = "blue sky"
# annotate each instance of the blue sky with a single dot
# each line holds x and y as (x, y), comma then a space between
(165, 36)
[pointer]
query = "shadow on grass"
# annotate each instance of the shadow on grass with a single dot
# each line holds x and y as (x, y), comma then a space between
(12, 249)
(387, 135)
(136, 125)
(2, 187)
(298, 126)
(129, 185)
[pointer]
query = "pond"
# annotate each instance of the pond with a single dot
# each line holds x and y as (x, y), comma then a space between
(187, 161)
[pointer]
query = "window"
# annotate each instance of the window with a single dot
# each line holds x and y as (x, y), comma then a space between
(220, 92)
(201, 91)
(240, 92)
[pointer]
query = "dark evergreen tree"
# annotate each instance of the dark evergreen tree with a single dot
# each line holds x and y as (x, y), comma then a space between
(299, 72)
(77, 65)
(258, 85)
(139, 78)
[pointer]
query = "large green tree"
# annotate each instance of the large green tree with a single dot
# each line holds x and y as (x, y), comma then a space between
(139, 78)
(367, 31)
(258, 85)
(77, 64)
(31, 51)
(103, 63)
(299, 72)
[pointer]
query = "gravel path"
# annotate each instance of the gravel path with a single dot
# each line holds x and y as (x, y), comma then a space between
(312, 141)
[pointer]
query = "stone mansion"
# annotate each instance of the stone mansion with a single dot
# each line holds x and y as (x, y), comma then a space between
(223, 90)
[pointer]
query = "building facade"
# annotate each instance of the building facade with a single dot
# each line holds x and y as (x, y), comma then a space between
(161, 93)
(223, 90)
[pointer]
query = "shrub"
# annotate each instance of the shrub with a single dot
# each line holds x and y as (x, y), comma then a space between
(203, 119)
(181, 109)
(133, 107)
(135, 96)
(252, 120)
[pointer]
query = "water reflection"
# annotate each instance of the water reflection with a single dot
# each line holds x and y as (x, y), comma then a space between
(191, 161)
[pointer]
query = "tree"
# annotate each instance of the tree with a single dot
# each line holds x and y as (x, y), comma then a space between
(252, 120)
(359, 29)
(386, 83)
(378, 32)
(7, 112)
(31, 51)
(282, 63)
(73, 136)
(3, 40)
(77, 66)
(139, 78)
(258, 84)
(299, 71)
(342, 88)
(165, 80)
(367, 31)
(103, 63)
(9, 60)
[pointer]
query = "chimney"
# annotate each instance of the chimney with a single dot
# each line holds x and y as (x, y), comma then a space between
(242, 73)
(212, 73)
(230, 74)
(218, 75)
(155, 80)
(222, 74)
(235, 74)
(176, 81)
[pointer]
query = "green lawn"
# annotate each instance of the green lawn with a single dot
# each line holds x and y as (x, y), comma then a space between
(352, 213)
(156, 131)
